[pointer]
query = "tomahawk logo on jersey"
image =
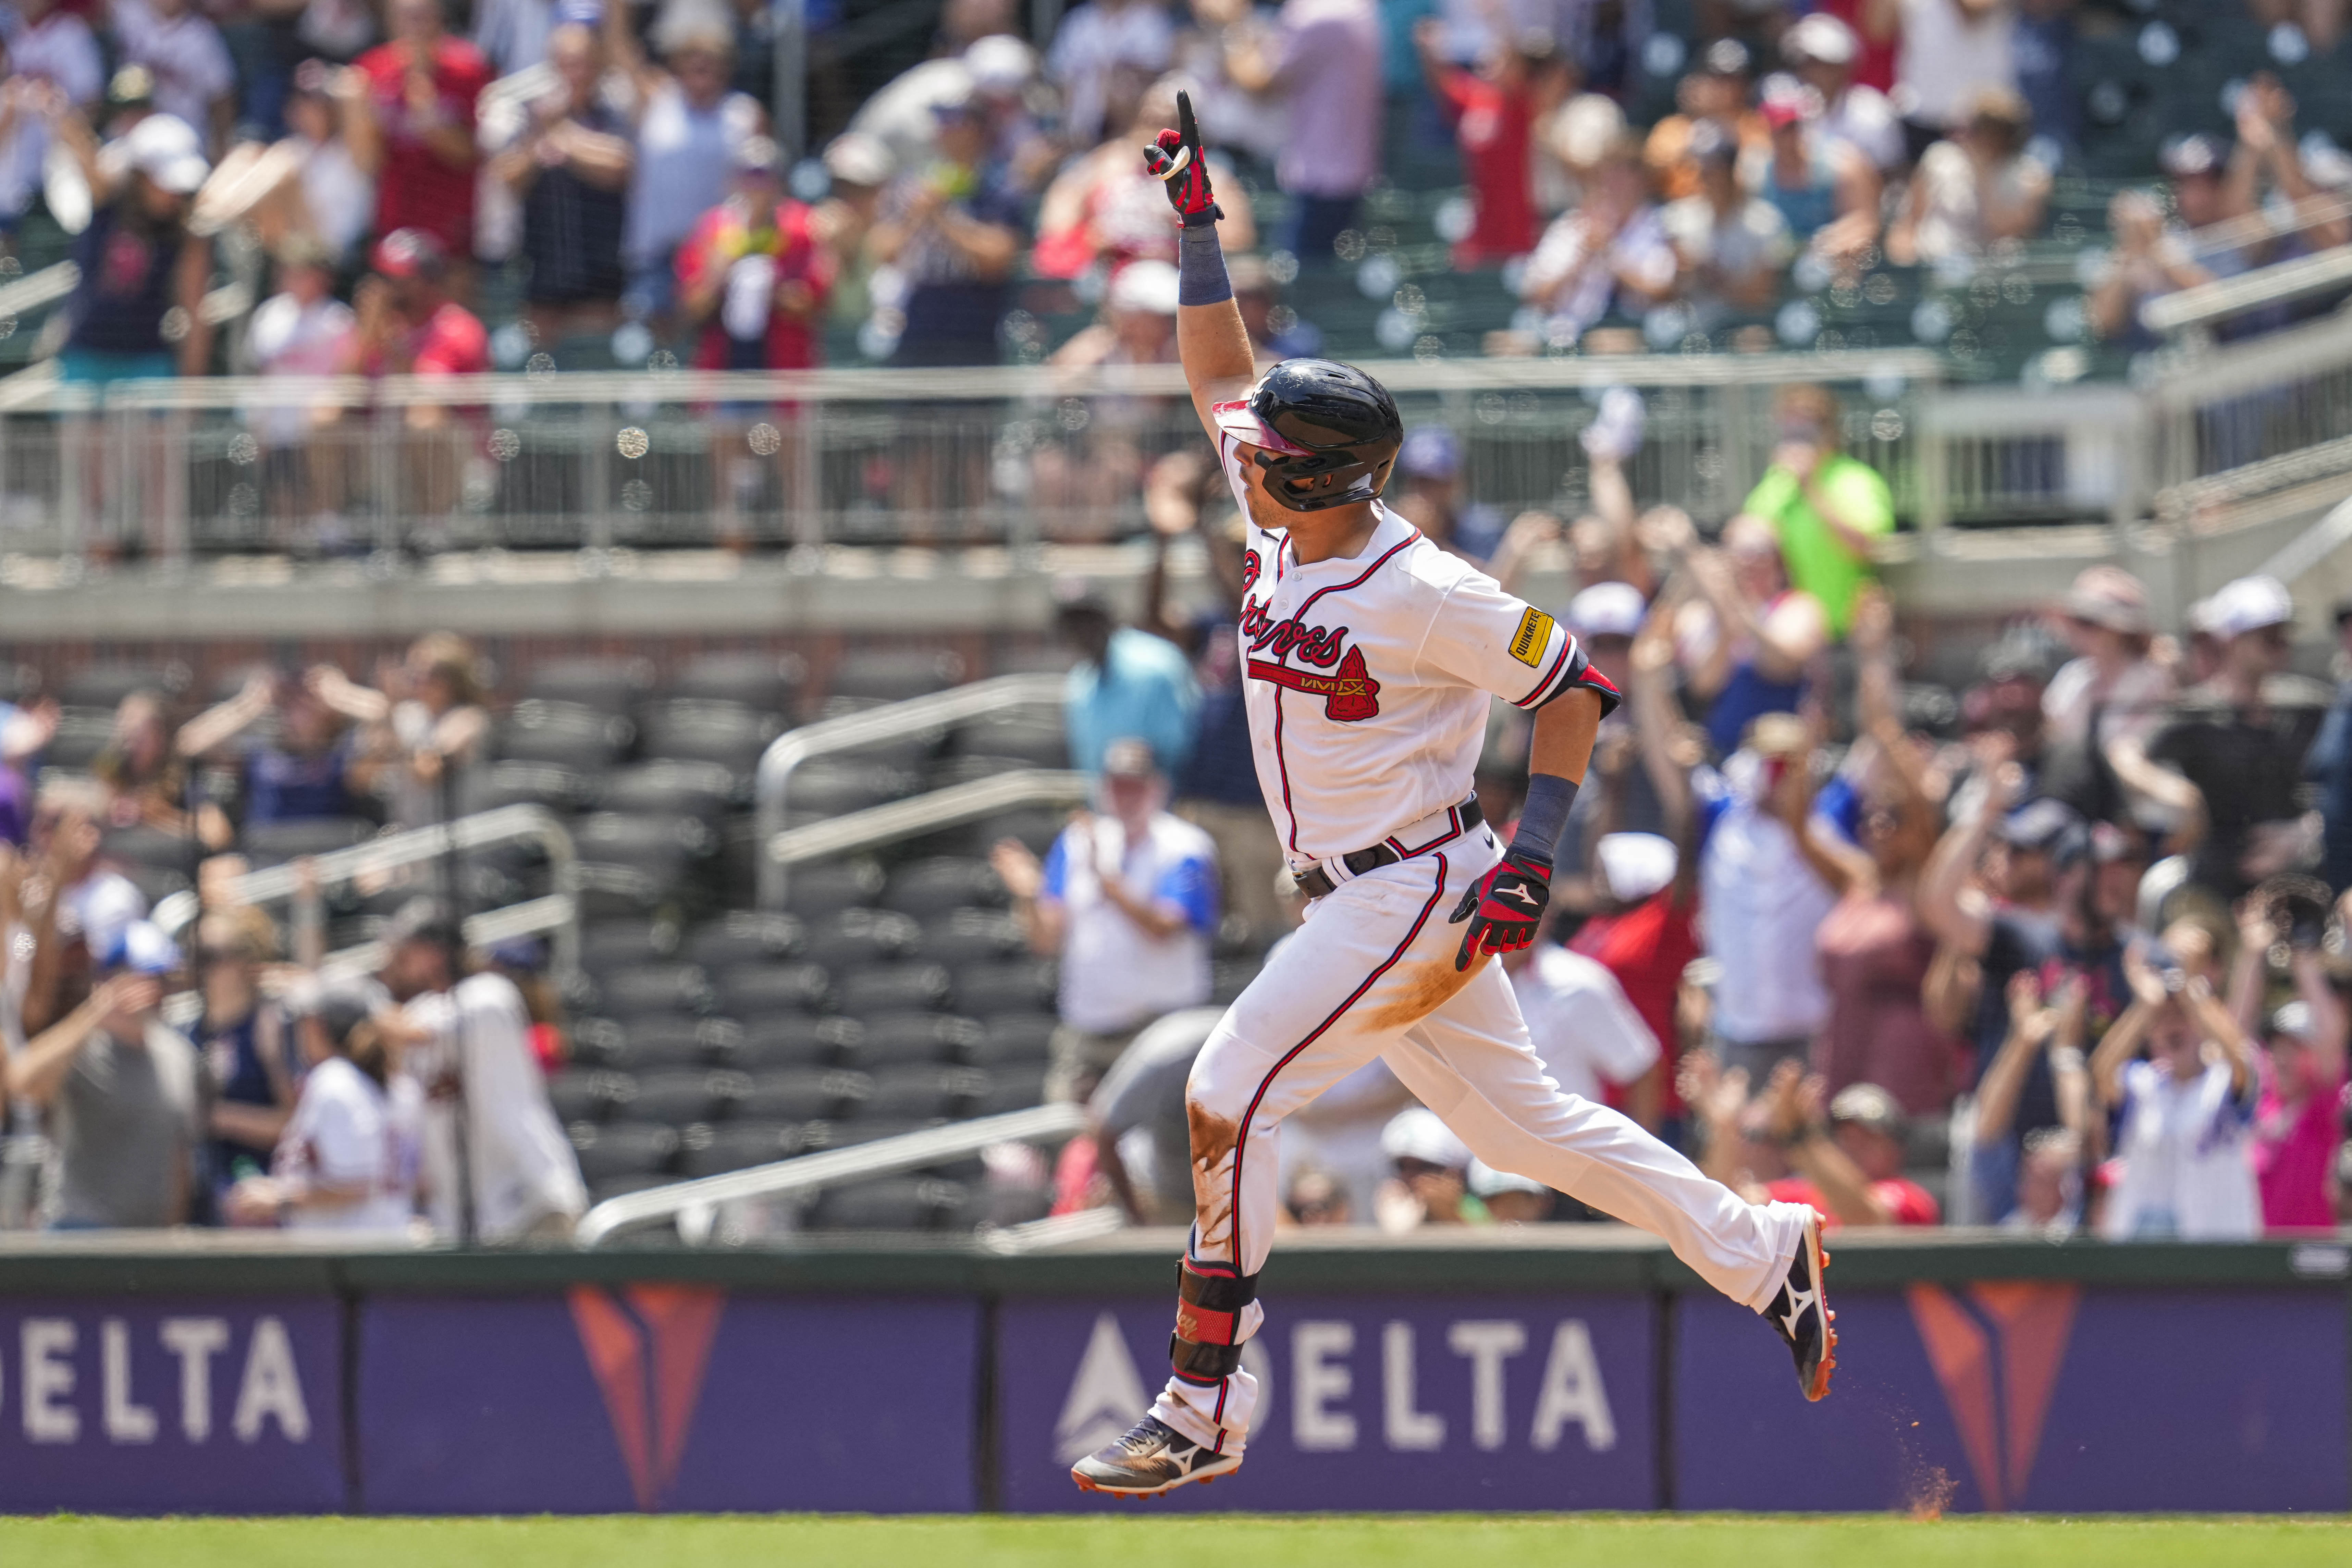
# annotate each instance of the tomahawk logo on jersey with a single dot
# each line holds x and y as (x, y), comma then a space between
(1368, 677)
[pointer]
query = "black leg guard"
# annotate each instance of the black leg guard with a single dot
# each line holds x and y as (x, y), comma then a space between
(1206, 1346)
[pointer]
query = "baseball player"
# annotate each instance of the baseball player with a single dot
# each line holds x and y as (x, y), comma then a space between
(1371, 657)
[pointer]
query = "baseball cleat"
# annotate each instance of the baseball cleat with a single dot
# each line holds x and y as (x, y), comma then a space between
(1801, 1315)
(1153, 1458)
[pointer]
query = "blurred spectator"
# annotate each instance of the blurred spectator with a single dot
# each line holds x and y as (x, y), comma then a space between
(689, 129)
(2006, 1165)
(2111, 691)
(301, 330)
(427, 725)
(1316, 1197)
(252, 1062)
(2229, 754)
(512, 35)
(121, 1089)
(1127, 899)
(138, 307)
(952, 234)
(1828, 54)
(52, 67)
(465, 1042)
(303, 770)
(1644, 936)
(1104, 54)
(995, 71)
(1138, 327)
(1428, 494)
(1829, 510)
(2184, 1115)
(1255, 122)
(2299, 1117)
(1325, 60)
(1989, 891)
(1337, 1139)
(1732, 246)
(1973, 190)
(2049, 1184)
(1508, 1199)
(1853, 1170)
(1571, 139)
(570, 168)
(1950, 51)
(1611, 249)
(1826, 191)
(73, 905)
(349, 1159)
(1430, 1185)
(1714, 93)
(1105, 208)
(414, 131)
(1876, 952)
(307, 186)
(1127, 682)
(2042, 42)
(752, 278)
(408, 325)
(2320, 21)
(181, 50)
(857, 168)
(1749, 639)
(1492, 108)
(1592, 1041)
(146, 780)
(1142, 1136)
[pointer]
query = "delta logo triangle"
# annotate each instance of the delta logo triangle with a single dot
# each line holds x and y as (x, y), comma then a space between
(1997, 1348)
(649, 1346)
(1106, 1397)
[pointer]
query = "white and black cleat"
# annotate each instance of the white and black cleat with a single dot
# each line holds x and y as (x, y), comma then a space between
(1801, 1315)
(1153, 1458)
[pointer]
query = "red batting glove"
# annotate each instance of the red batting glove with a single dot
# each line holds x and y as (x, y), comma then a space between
(1176, 161)
(1504, 907)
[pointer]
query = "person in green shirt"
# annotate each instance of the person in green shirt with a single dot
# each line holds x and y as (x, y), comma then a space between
(1826, 506)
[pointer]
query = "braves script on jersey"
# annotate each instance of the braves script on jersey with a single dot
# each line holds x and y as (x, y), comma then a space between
(1368, 678)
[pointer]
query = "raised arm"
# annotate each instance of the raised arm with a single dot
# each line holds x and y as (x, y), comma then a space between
(1944, 905)
(1211, 340)
(219, 724)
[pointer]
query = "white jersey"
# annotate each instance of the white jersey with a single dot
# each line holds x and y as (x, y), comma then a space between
(1369, 679)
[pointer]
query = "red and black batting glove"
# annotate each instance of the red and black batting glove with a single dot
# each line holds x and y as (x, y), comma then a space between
(1504, 907)
(1176, 161)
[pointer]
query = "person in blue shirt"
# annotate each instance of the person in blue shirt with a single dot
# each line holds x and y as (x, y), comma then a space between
(1127, 682)
(301, 773)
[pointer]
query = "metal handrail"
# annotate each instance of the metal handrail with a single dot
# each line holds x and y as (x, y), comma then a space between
(689, 1202)
(276, 884)
(875, 727)
(2277, 284)
(927, 813)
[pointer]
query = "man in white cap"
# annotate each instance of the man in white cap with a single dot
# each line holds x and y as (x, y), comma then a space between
(2231, 755)
(1824, 50)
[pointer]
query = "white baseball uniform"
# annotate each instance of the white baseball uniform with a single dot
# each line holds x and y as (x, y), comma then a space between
(1369, 681)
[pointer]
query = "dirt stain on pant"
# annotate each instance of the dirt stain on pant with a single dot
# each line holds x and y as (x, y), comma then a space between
(1213, 1139)
(1421, 990)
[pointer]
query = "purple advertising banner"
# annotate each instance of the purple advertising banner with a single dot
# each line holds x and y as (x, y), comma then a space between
(135, 1405)
(1409, 1402)
(655, 1396)
(2035, 1396)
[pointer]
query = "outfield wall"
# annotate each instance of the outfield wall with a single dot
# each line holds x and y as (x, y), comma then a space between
(1568, 1369)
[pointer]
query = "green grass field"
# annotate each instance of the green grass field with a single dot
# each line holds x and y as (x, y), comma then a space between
(1140, 1542)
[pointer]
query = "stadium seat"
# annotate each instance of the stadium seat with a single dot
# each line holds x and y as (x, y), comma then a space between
(590, 1094)
(804, 1094)
(676, 1041)
(860, 936)
(920, 1093)
(828, 886)
(683, 1095)
(697, 730)
(635, 856)
(81, 735)
(668, 787)
(1014, 1037)
(1038, 742)
(105, 685)
(571, 734)
(971, 936)
(609, 686)
(275, 843)
(893, 675)
(765, 683)
(896, 1039)
(597, 1042)
(742, 938)
(753, 993)
(891, 988)
(790, 1040)
(1014, 1087)
(924, 887)
(830, 787)
(623, 1148)
(508, 782)
(1025, 986)
(653, 990)
(710, 1150)
(619, 944)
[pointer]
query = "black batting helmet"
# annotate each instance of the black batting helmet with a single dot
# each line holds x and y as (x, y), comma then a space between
(1326, 434)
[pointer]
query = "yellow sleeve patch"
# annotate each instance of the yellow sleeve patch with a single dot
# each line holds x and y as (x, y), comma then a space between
(1533, 637)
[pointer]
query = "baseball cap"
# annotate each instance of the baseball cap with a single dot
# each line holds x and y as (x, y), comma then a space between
(2293, 1020)
(1820, 36)
(409, 253)
(1636, 864)
(336, 1003)
(1075, 595)
(1484, 1181)
(855, 158)
(1725, 56)
(1607, 610)
(131, 87)
(2108, 597)
(165, 149)
(1000, 64)
(1416, 1133)
(139, 947)
(1782, 109)
(1711, 144)
(1867, 1105)
(423, 919)
(2248, 604)
(1148, 287)
(2039, 824)
(2196, 153)
(759, 155)
(1129, 757)
(1430, 453)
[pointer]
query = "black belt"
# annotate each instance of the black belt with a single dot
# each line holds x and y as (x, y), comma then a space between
(1315, 882)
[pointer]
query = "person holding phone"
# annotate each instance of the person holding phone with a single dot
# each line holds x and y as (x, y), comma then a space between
(1829, 510)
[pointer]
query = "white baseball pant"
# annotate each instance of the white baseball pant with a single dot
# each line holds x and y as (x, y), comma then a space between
(1371, 972)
